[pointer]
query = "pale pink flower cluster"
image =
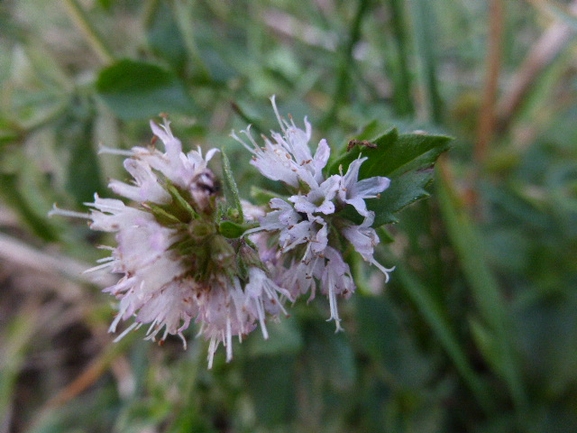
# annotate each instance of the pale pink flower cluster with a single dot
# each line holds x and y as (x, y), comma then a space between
(307, 259)
(159, 286)
(177, 267)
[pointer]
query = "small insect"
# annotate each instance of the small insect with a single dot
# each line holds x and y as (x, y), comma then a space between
(204, 187)
(206, 182)
(364, 143)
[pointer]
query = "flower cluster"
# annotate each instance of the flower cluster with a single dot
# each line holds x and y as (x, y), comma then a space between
(178, 266)
(306, 226)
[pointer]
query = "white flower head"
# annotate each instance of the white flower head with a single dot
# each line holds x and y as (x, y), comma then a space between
(176, 267)
(307, 226)
(178, 264)
(287, 157)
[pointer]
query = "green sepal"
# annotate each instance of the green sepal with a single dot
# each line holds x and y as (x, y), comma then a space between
(232, 230)
(406, 159)
(163, 217)
(230, 190)
(183, 204)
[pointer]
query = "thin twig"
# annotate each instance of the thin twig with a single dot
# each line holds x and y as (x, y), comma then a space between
(93, 37)
(342, 85)
(549, 45)
(486, 125)
(288, 25)
(22, 254)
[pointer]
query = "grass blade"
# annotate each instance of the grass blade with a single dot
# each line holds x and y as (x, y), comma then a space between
(423, 25)
(496, 337)
(437, 319)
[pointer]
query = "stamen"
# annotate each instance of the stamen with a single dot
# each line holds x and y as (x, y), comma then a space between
(68, 213)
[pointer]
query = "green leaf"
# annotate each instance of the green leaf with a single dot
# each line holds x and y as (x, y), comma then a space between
(406, 159)
(136, 90)
(75, 133)
(187, 211)
(164, 38)
(270, 382)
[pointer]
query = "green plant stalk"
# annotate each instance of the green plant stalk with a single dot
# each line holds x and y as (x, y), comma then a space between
(16, 339)
(98, 366)
(402, 91)
(254, 123)
(487, 116)
(490, 303)
(424, 37)
(346, 61)
(184, 19)
(19, 199)
(188, 411)
(149, 11)
(256, 36)
(437, 319)
(564, 14)
(94, 38)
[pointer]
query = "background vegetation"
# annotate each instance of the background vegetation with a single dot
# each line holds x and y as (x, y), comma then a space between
(477, 329)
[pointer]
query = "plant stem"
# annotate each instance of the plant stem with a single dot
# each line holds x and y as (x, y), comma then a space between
(92, 36)
(423, 24)
(184, 19)
(541, 56)
(486, 125)
(402, 79)
(343, 75)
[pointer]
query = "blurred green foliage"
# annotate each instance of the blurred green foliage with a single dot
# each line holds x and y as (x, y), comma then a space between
(475, 332)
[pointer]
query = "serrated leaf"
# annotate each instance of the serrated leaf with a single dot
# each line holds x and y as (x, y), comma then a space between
(136, 90)
(404, 190)
(406, 159)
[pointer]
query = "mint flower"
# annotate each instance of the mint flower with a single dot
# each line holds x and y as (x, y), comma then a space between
(355, 192)
(288, 157)
(175, 265)
(307, 226)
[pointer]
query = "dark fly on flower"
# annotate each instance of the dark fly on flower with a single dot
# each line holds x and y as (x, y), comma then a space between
(204, 187)
(206, 182)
